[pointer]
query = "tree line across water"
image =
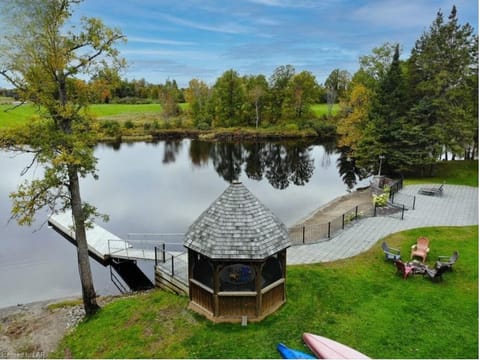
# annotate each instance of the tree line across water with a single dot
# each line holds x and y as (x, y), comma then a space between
(408, 112)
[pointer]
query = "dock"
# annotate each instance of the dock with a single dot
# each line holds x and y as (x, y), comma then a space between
(110, 250)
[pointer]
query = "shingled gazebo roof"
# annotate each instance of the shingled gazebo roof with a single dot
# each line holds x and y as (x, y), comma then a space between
(237, 226)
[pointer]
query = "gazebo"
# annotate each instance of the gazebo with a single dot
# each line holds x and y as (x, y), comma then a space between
(237, 251)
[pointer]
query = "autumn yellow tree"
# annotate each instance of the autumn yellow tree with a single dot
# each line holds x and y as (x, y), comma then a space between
(357, 107)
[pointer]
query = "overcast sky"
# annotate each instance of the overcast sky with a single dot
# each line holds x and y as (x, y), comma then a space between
(185, 39)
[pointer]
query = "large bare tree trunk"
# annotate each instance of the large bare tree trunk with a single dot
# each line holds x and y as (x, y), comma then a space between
(88, 291)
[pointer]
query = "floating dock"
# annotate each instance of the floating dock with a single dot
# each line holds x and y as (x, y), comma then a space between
(109, 249)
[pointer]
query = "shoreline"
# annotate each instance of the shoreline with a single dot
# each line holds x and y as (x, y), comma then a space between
(337, 206)
(33, 330)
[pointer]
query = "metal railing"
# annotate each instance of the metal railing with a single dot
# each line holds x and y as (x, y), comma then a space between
(140, 249)
(174, 241)
(117, 282)
(310, 233)
(405, 201)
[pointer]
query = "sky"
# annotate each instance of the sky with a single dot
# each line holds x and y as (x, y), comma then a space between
(186, 39)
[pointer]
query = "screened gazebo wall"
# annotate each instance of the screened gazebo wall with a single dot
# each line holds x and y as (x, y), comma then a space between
(230, 290)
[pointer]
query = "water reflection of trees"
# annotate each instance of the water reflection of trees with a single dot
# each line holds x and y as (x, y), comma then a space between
(348, 169)
(171, 150)
(281, 164)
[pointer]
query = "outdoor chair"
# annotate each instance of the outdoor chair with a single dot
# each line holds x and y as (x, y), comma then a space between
(402, 268)
(447, 261)
(420, 249)
(435, 274)
(431, 190)
(390, 253)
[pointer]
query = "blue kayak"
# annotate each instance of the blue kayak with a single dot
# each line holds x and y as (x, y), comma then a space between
(288, 353)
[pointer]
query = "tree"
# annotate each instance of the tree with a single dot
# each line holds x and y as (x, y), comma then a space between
(278, 84)
(301, 93)
(43, 58)
(356, 110)
(168, 95)
(442, 68)
(257, 90)
(198, 96)
(337, 85)
(104, 84)
(229, 98)
(386, 118)
(378, 63)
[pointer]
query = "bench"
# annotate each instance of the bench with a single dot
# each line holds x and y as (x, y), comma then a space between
(432, 191)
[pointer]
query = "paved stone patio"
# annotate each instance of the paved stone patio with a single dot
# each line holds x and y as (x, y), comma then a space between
(458, 206)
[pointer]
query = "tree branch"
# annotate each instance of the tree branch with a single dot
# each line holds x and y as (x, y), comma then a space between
(90, 58)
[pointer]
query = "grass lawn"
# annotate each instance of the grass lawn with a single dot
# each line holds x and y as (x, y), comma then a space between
(322, 109)
(102, 110)
(360, 301)
(17, 116)
(458, 172)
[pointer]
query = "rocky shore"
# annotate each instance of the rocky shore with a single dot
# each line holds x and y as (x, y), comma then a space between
(32, 331)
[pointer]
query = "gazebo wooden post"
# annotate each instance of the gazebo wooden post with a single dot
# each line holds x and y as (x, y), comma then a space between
(282, 256)
(258, 287)
(216, 288)
(191, 263)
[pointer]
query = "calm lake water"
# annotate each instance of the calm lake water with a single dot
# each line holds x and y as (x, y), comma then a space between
(159, 188)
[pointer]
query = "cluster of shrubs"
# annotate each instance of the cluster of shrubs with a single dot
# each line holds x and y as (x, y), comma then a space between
(382, 199)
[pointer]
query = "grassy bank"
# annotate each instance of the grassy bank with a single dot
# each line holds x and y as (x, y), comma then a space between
(458, 172)
(359, 301)
(119, 112)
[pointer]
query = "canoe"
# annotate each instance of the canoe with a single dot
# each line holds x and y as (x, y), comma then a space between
(288, 353)
(326, 348)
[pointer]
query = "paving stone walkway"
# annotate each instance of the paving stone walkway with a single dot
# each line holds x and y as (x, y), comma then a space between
(458, 206)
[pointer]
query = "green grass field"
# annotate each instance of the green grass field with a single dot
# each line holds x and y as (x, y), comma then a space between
(122, 112)
(20, 115)
(17, 116)
(322, 109)
(360, 301)
(102, 110)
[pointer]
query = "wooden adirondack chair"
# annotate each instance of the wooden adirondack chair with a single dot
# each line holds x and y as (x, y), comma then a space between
(390, 253)
(420, 249)
(447, 261)
(435, 274)
(402, 268)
